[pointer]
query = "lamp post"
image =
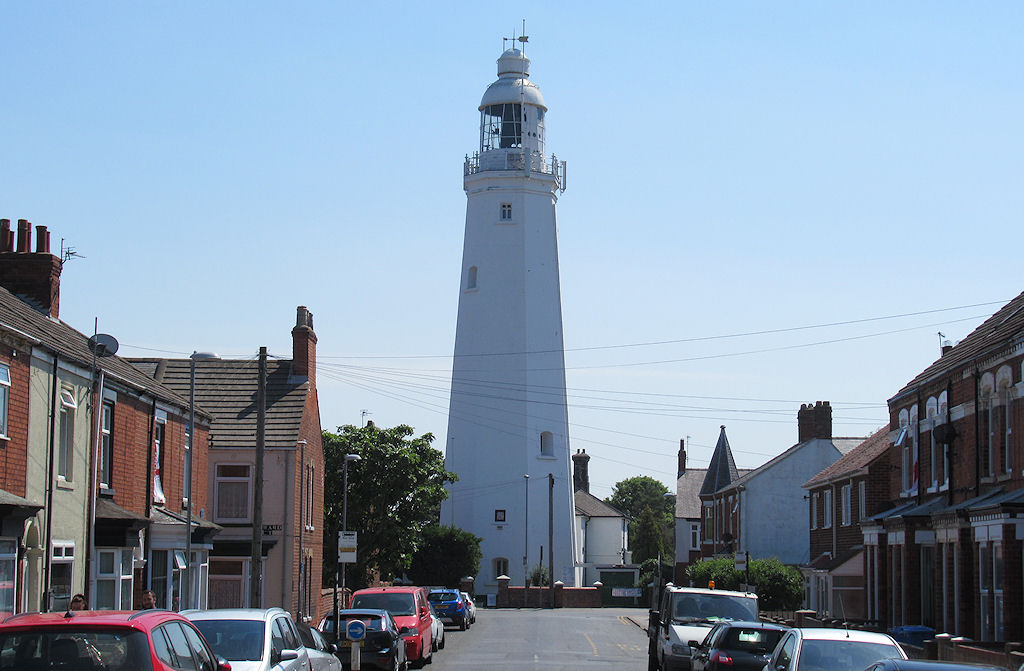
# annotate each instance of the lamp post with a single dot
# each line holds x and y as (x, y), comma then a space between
(526, 537)
(196, 356)
(338, 567)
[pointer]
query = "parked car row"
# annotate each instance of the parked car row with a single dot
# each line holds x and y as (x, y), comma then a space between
(404, 625)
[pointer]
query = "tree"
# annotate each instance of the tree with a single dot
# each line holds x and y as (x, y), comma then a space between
(394, 492)
(445, 556)
(632, 496)
(648, 538)
(539, 576)
(779, 587)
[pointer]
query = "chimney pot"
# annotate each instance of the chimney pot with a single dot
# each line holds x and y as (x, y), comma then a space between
(42, 240)
(24, 236)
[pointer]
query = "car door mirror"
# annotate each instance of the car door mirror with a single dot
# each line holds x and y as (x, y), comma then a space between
(694, 644)
(287, 655)
(406, 631)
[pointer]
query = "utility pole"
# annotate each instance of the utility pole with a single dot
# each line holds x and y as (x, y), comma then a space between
(551, 537)
(256, 559)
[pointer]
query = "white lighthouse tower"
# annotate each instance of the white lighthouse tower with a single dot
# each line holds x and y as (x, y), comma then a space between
(507, 415)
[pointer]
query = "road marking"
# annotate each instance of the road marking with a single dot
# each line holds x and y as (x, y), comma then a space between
(592, 646)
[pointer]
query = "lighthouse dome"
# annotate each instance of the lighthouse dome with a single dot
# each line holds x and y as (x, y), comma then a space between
(513, 84)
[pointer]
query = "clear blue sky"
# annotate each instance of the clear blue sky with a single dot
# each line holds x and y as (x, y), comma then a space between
(732, 168)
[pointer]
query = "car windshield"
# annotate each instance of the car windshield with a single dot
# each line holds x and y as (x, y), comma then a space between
(751, 640)
(396, 604)
(691, 607)
(234, 640)
(86, 648)
(438, 597)
(841, 655)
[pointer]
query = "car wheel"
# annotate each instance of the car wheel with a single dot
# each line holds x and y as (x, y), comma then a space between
(433, 644)
(442, 642)
(462, 625)
(652, 662)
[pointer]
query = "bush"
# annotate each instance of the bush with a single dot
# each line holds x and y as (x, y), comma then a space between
(779, 587)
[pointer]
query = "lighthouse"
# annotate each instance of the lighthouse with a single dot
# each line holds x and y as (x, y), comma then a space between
(508, 427)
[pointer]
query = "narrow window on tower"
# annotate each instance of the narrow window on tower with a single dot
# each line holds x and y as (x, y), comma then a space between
(471, 278)
(499, 515)
(506, 212)
(547, 444)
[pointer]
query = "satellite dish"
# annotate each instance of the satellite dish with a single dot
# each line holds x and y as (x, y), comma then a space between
(102, 344)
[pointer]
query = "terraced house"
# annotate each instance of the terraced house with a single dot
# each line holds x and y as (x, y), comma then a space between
(92, 457)
(947, 550)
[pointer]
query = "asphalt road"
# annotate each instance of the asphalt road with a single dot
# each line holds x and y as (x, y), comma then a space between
(567, 639)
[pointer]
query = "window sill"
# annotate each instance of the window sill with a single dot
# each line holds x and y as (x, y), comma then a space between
(944, 487)
(1004, 477)
(547, 457)
(64, 484)
(107, 492)
(4, 439)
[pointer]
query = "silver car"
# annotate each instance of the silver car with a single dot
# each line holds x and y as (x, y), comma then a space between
(252, 639)
(824, 649)
(322, 655)
(471, 607)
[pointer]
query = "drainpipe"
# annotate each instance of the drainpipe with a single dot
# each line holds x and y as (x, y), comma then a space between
(44, 591)
(90, 530)
(286, 554)
(302, 528)
(917, 446)
(148, 545)
(948, 465)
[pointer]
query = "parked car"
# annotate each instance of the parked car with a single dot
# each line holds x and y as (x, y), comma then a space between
(927, 665)
(322, 655)
(471, 606)
(253, 639)
(450, 607)
(823, 649)
(736, 646)
(408, 605)
(438, 630)
(148, 640)
(687, 614)
(383, 647)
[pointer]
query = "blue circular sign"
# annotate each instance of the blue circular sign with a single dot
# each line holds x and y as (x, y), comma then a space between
(355, 630)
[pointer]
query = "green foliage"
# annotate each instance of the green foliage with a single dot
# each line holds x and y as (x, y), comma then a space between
(446, 555)
(539, 576)
(394, 493)
(649, 573)
(634, 495)
(779, 587)
(648, 538)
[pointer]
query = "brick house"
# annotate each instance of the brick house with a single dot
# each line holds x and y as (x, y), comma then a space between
(82, 436)
(841, 497)
(293, 475)
(754, 511)
(947, 551)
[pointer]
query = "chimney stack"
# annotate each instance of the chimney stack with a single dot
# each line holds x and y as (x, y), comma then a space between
(33, 277)
(682, 458)
(304, 346)
(580, 471)
(814, 421)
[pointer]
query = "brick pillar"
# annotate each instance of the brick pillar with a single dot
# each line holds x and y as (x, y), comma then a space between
(559, 594)
(503, 599)
(466, 585)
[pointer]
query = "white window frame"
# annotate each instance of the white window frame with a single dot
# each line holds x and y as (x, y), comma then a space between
(5, 399)
(106, 472)
(9, 556)
(547, 444)
(814, 510)
(122, 575)
(506, 212)
(66, 436)
(160, 460)
(500, 566)
(826, 514)
(218, 479)
(1007, 430)
(471, 278)
(62, 552)
(846, 494)
(862, 496)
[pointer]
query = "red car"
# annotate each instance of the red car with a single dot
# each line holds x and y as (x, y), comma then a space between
(146, 640)
(408, 606)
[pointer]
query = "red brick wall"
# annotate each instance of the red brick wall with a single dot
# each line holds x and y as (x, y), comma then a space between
(14, 450)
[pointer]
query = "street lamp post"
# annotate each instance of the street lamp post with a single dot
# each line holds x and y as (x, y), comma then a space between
(338, 566)
(526, 537)
(196, 356)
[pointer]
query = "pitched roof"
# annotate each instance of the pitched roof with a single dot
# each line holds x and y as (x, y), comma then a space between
(1006, 325)
(70, 345)
(688, 487)
(853, 461)
(843, 445)
(589, 505)
(226, 389)
(722, 469)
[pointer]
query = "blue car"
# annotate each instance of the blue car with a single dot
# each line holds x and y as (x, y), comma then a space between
(451, 607)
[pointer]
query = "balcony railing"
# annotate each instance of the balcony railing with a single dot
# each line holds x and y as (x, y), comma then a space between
(509, 160)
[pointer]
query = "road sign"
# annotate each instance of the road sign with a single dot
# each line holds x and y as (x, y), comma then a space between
(355, 630)
(347, 547)
(741, 561)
